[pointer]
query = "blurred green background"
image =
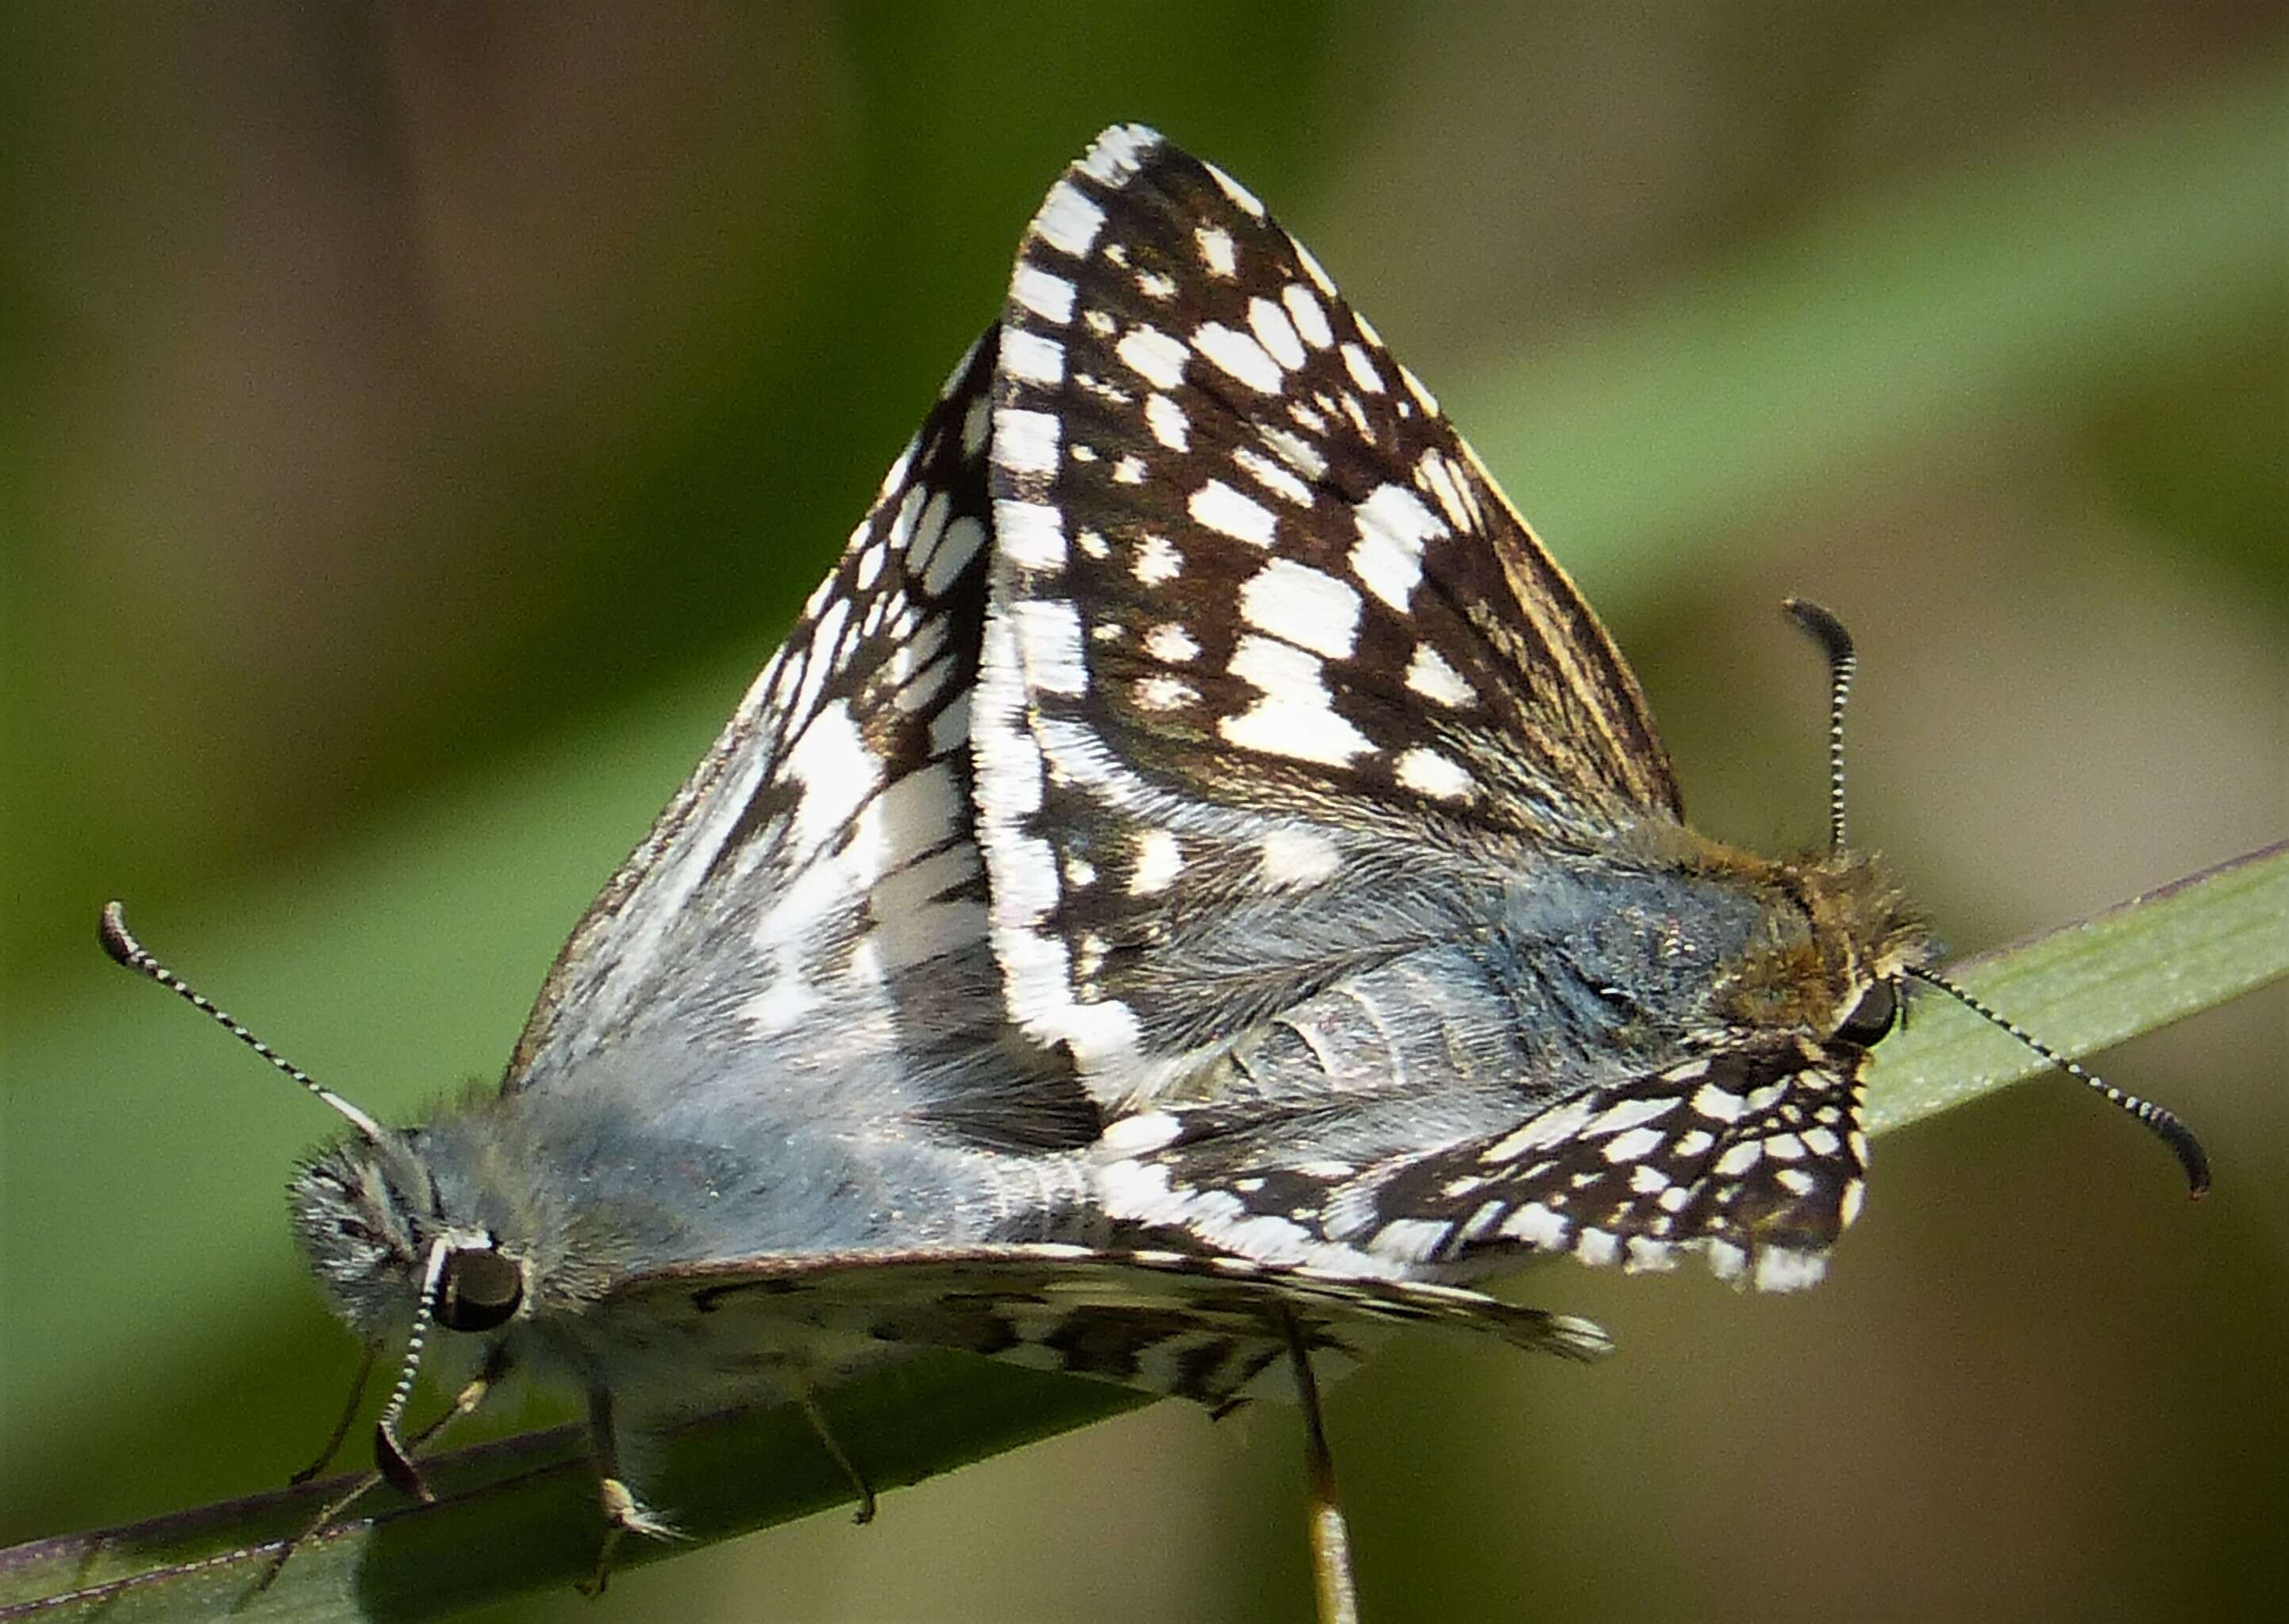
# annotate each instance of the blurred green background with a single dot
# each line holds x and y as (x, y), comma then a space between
(425, 416)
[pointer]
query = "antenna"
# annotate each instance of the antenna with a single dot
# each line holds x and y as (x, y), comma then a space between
(124, 949)
(1836, 642)
(388, 1454)
(2163, 1123)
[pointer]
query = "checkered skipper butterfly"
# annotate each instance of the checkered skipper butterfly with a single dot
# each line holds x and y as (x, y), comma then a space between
(1329, 833)
(768, 1122)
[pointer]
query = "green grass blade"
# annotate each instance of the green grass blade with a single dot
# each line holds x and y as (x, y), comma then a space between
(2186, 947)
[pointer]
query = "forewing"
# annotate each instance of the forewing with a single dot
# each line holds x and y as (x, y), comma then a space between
(1210, 1329)
(1752, 1153)
(813, 893)
(1260, 618)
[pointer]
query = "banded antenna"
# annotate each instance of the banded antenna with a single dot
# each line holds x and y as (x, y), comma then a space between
(2163, 1123)
(124, 949)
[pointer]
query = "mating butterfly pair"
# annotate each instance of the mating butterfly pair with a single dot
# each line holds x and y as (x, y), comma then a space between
(1196, 887)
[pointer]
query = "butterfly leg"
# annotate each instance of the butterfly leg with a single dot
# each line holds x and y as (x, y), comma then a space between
(464, 1402)
(624, 1513)
(1334, 1585)
(349, 1415)
(817, 1417)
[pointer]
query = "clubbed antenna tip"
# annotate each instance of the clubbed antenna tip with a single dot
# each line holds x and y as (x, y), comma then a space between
(2160, 1121)
(119, 942)
(1836, 644)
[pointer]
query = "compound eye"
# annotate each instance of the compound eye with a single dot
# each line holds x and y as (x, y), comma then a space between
(481, 1290)
(1876, 1014)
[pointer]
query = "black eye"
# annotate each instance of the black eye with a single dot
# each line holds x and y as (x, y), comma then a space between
(481, 1290)
(1876, 1013)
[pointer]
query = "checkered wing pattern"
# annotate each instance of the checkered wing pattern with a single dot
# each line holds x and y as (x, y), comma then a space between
(1752, 1155)
(1208, 1329)
(813, 894)
(1263, 627)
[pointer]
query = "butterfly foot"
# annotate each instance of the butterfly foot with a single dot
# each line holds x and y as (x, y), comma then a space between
(624, 1514)
(817, 1417)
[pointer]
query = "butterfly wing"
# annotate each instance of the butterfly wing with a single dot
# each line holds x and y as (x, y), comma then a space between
(1247, 574)
(1752, 1153)
(813, 892)
(1212, 1330)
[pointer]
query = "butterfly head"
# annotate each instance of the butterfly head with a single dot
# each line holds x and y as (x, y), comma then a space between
(1838, 942)
(390, 1243)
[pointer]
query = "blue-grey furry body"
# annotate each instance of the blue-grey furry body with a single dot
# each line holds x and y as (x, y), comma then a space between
(1509, 997)
(643, 1163)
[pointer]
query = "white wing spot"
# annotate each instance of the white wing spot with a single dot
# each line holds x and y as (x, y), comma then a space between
(1046, 294)
(1241, 357)
(1537, 1226)
(1296, 857)
(1157, 560)
(1116, 155)
(1781, 1269)
(1295, 451)
(1152, 356)
(1597, 1247)
(1170, 425)
(1026, 442)
(1426, 771)
(1429, 674)
(1560, 1123)
(1632, 1144)
(1272, 475)
(1048, 635)
(1160, 859)
(1717, 1104)
(1031, 535)
(1141, 1134)
(1422, 396)
(1162, 693)
(1294, 718)
(1307, 607)
(1435, 474)
(955, 548)
(1361, 368)
(1172, 643)
(1411, 1240)
(1308, 314)
(1217, 252)
(1234, 190)
(1068, 220)
(1225, 510)
(1034, 358)
(1273, 330)
(1393, 525)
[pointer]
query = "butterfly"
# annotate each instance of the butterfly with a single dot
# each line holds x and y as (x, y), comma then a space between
(768, 1123)
(1197, 888)
(1329, 833)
